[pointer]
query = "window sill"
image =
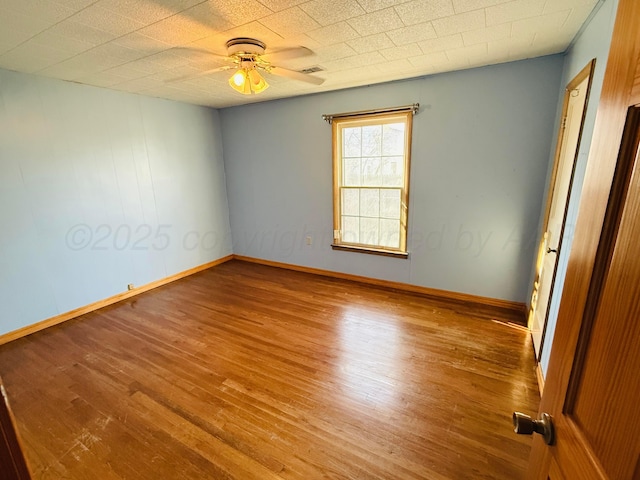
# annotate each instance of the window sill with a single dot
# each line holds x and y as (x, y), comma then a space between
(371, 251)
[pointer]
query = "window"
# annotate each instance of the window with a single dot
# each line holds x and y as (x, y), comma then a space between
(371, 182)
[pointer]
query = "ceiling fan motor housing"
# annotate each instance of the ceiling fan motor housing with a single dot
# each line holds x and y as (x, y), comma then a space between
(244, 45)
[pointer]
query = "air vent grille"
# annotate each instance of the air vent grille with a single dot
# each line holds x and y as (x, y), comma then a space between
(312, 69)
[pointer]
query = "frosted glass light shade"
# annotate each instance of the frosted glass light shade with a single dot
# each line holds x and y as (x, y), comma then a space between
(247, 81)
(240, 82)
(258, 83)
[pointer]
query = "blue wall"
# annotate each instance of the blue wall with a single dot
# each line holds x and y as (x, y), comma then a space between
(99, 189)
(594, 42)
(478, 169)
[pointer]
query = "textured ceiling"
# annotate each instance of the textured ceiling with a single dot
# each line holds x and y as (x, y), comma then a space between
(140, 46)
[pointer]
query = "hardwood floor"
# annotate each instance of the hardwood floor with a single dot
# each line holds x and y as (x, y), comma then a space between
(251, 372)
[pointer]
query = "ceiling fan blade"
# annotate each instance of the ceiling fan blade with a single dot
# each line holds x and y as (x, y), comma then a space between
(204, 51)
(292, 74)
(286, 54)
(200, 74)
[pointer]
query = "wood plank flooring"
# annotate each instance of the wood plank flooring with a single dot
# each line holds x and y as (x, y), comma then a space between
(251, 372)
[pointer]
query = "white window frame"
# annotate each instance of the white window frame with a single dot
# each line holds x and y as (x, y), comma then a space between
(339, 124)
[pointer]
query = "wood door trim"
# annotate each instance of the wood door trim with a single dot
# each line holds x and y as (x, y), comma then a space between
(635, 100)
(586, 72)
(540, 378)
(610, 123)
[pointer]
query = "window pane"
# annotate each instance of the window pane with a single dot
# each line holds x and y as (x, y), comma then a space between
(351, 229)
(372, 140)
(393, 171)
(390, 233)
(351, 201)
(370, 202)
(390, 204)
(351, 175)
(352, 142)
(393, 139)
(369, 231)
(371, 171)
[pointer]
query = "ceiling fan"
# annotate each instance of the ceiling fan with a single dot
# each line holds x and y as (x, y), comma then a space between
(247, 56)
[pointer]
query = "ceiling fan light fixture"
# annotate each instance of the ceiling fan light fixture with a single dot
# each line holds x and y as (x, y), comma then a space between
(239, 78)
(247, 79)
(240, 82)
(258, 83)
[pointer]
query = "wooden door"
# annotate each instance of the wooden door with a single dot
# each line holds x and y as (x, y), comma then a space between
(573, 111)
(12, 462)
(593, 383)
(599, 424)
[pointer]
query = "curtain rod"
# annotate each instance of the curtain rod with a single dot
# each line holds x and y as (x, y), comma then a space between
(413, 108)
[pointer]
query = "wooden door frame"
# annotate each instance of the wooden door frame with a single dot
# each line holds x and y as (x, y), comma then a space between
(620, 90)
(586, 72)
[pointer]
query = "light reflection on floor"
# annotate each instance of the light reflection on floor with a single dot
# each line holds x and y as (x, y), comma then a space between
(370, 364)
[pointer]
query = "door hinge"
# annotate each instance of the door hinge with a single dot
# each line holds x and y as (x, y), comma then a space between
(564, 122)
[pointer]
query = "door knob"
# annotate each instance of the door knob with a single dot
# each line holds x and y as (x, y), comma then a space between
(525, 425)
(552, 250)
